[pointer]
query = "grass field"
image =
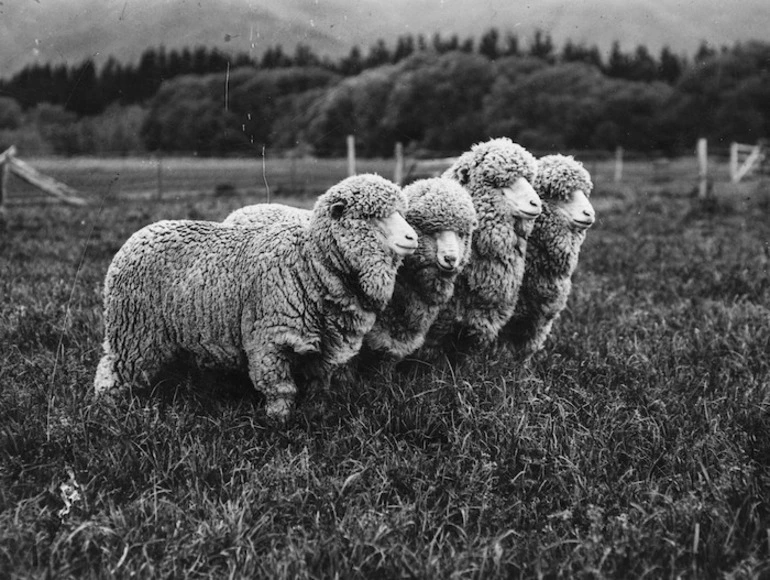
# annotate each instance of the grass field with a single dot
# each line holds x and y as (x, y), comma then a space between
(637, 445)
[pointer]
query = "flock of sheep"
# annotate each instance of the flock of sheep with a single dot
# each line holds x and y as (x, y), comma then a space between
(480, 258)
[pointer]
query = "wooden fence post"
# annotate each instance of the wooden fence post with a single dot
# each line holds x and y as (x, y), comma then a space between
(702, 168)
(159, 163)
(398, 175)
(734, 162)
(618, 164)
(4, 170)
(351, 155)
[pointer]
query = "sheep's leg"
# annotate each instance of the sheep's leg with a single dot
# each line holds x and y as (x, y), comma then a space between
(122, 368)
(270, 372)
(106, 378)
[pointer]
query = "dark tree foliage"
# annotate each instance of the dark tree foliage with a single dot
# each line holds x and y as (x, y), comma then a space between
(404, 48)
(379, 55)
(438, 93)
(488, 44)
(670, 66)
(542, 46)
(511, 45)
(353, 64)
(580, 53)
(189, 113)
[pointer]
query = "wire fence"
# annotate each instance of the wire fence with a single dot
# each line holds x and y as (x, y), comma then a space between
(166, 178)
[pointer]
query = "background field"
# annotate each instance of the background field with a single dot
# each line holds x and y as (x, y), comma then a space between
(637, 445)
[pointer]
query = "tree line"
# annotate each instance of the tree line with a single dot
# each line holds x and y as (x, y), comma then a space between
(84, 90)
(433, 95)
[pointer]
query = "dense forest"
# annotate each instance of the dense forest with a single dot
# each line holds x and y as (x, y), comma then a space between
(434, 95)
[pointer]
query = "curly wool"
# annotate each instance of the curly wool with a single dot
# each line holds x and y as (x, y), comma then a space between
(487, 289)
(552, 257)
(559, 175)
(263, 214)
(290, 299)
(422, 288)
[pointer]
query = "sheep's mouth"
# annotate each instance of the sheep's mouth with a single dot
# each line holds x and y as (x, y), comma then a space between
(528, 215)
(407, 249)
(446, 269)
(583, 225)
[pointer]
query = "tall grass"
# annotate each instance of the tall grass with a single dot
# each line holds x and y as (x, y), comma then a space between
(637, 444)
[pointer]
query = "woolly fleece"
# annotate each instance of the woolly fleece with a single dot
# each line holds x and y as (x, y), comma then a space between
(487, 289)
(422, 287)
(263, 214)
(282, 301)
(552, 257)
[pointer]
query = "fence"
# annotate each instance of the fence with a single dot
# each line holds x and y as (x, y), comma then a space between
(169, 178)
(10, 164)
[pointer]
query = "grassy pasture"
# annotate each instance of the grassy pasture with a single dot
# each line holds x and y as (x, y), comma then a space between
(637, 444)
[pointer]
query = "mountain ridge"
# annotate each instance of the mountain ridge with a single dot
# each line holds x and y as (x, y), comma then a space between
(68, 33)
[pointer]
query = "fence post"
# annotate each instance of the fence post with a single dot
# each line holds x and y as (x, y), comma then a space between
(5, 169)
(351, 155)
(618, 164)
(734, 162)
(398, 175)
(702, 168)
(3, 183)
(159, 164)
(3, 189)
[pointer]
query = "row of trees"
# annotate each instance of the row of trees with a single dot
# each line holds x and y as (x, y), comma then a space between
(439, 101)
(84, 90)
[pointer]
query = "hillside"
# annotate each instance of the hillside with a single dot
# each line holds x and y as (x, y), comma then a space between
(71, 31)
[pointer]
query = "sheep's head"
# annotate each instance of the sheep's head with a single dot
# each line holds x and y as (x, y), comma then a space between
(442, 211)
(499, 173)
(359, 226)
(565, 185)
(367, 208)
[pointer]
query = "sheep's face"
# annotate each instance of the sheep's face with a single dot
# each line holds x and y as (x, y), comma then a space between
(450, 249)
(576, 210)
(522, 200)
(400, 237)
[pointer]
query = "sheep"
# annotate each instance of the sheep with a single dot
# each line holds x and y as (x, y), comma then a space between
(262, 214)
(442, 213)
(497, 173)
(285, 302)
(564, 185)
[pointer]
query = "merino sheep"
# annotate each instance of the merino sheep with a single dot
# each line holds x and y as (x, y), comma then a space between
(286, 301)
(564, 185)
(497, 174)
(442, 213)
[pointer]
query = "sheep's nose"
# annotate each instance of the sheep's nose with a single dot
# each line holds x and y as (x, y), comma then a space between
(448, 263)
(411, 237)
(588, 213)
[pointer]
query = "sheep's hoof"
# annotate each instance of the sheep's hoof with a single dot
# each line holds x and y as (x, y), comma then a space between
(280, 402)
(279, 410)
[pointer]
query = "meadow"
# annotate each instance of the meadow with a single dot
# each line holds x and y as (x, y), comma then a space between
(636, 445)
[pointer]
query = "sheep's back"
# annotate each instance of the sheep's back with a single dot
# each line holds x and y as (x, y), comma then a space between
(183, 286)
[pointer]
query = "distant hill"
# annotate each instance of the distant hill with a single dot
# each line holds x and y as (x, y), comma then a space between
(60, 31)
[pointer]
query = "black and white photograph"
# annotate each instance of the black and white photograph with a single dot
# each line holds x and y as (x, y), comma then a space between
(367, 289)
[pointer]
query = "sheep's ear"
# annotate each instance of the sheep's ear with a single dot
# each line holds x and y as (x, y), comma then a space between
(464, 175)
(461, 172)
(337, 209)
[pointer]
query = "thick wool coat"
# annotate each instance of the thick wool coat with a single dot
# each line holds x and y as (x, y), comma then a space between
(422, 287)
(487, 289)
(285, 300)
(552, 257)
